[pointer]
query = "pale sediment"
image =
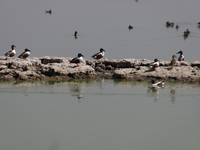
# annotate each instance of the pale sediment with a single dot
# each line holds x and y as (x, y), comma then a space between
(58, 68)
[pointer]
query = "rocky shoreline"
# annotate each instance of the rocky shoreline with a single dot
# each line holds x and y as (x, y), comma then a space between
(59, 68)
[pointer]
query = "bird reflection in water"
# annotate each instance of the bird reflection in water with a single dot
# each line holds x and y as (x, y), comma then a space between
(153, 90)
(173, 95)
(76, 90)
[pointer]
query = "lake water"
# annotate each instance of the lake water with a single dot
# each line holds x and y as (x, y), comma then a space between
(101, 23)
(100, 114)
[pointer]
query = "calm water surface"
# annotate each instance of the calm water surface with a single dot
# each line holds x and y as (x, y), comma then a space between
(103, 114)
(101, 23)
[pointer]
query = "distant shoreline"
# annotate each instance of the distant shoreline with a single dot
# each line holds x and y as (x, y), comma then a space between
(59, 68)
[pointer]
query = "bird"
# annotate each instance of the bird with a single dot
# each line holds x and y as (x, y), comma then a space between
(186, 33)
(181, 57)
(177, 27)
(25, 54)
(78, 59)
(12, 52)
(76, 34)
(173, 61)
(99, 55)
(154, 65)
(169, 24)
(198, 24)
(48, 11)
(159, 83)
(130, 27)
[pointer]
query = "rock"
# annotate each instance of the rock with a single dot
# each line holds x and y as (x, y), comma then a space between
(58, 68)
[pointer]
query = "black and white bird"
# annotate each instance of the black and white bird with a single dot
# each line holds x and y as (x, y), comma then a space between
(25, 54)
(12, 52)
(159, 83)
(77, 60)
(154, 65)
(99, 55)
(76, 34)
(48, 11)
(181, 57)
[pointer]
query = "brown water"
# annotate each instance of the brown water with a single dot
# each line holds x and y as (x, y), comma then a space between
(104, 114)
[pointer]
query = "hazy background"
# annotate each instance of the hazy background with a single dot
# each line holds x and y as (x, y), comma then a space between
(101, 23)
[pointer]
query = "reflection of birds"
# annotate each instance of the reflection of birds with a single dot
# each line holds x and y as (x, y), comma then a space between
(78, 59)
(153, 90)
(99, 55)
(130, 27)
(154, 65)
(181, 57)
(12, 52)
(159, 83)
(173, 61)
(76, 34)
(25, 54)
(76, 90)
(48, 11)
(173, 95)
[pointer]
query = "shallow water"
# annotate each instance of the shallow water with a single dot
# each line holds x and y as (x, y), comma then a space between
(103, 114)
(101, 23)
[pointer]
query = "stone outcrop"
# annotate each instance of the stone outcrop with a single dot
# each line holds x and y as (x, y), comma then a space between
(58, 68)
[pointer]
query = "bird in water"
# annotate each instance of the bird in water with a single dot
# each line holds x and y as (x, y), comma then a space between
(130, 27)
(154, 65)
(76, 34)
(159, 83)
(99, 55)
(181, 57)
(25, 54)
(12, 52)
(77, 59)
(48, 11)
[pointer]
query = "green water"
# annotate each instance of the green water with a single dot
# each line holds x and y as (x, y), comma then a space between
(103, 114)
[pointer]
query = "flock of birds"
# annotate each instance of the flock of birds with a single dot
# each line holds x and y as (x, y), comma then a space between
(75, 60)
(155, 64)
(101, 54)
(186, 33)
(12, 53)
(98, 56)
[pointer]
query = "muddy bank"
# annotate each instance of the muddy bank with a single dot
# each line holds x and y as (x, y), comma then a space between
(58, 68)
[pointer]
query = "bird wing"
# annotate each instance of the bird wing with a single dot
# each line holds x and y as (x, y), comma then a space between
(21, 55)
(95, 55)
(6, 54)
(73, 60)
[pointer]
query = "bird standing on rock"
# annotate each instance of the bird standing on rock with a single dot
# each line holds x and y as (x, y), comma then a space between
(77, 60)
(99, 55)
(25, 54)
(181, 57)
(12, 52)
(173, 61)
(154, 65)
